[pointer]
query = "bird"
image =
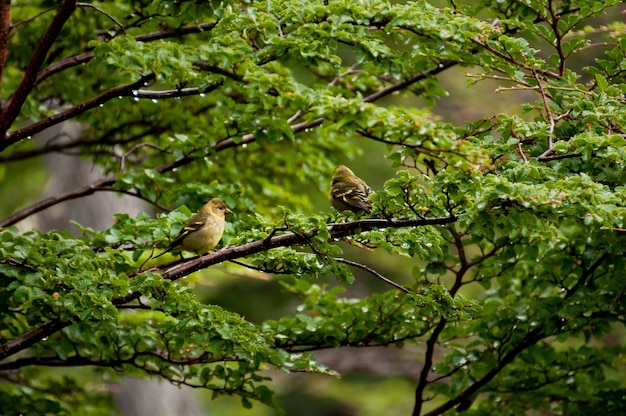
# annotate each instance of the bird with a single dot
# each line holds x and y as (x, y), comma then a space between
(204, 230)
(349, 192)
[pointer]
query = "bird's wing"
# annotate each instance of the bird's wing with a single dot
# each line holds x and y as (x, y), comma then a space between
(194, 224)
(355, 196)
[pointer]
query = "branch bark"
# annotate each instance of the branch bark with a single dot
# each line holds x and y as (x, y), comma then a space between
(30, 76)
(336, 231)
(428, 363)
(102, 184)
(531, 338)
(5, 28)
(373, 272)
(31, 337)
(119, 91)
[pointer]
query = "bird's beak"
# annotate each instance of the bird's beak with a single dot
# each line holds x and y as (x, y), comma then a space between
(228, 211)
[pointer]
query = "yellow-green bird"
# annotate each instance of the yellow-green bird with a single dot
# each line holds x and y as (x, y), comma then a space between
(204, 230)
(349, 192)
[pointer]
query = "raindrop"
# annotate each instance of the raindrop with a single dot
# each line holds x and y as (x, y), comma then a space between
(154, 100)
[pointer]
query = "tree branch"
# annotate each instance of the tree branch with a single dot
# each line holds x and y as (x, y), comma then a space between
(373, 272)
(99, 10)
(102, 184)
(119, 91)
(30, 338)
(30, 76)
(428, 363)
(221, 145)
(513, 61)
(75, 60)
(51, 147)
(531, 338)
(5, 28)
(336, 231)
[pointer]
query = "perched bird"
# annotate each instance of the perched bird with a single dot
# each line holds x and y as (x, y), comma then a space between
(349, 192)
(204, 230)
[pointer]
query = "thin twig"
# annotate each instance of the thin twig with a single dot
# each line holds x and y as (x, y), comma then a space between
(135, 147)
(30, 19)
(551, 119)
(260, 270)
(544, 99)
(350, 71)
(293, 118)
(99, 185)
(521, 151)
(373, 272)
(509, 59)
(75, 60)
(99, 10)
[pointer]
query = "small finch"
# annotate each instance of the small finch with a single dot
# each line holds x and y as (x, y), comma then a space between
(349, 192)
(204, 230)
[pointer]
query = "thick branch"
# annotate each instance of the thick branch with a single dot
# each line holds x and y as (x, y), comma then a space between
(428, 362)
(5, 27)
(531, 338)
(30, 76)
(177, 93)
(32, 337)
(119, 91)
(336, 231)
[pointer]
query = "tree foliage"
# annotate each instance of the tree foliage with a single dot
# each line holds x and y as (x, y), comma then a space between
(515, 221)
